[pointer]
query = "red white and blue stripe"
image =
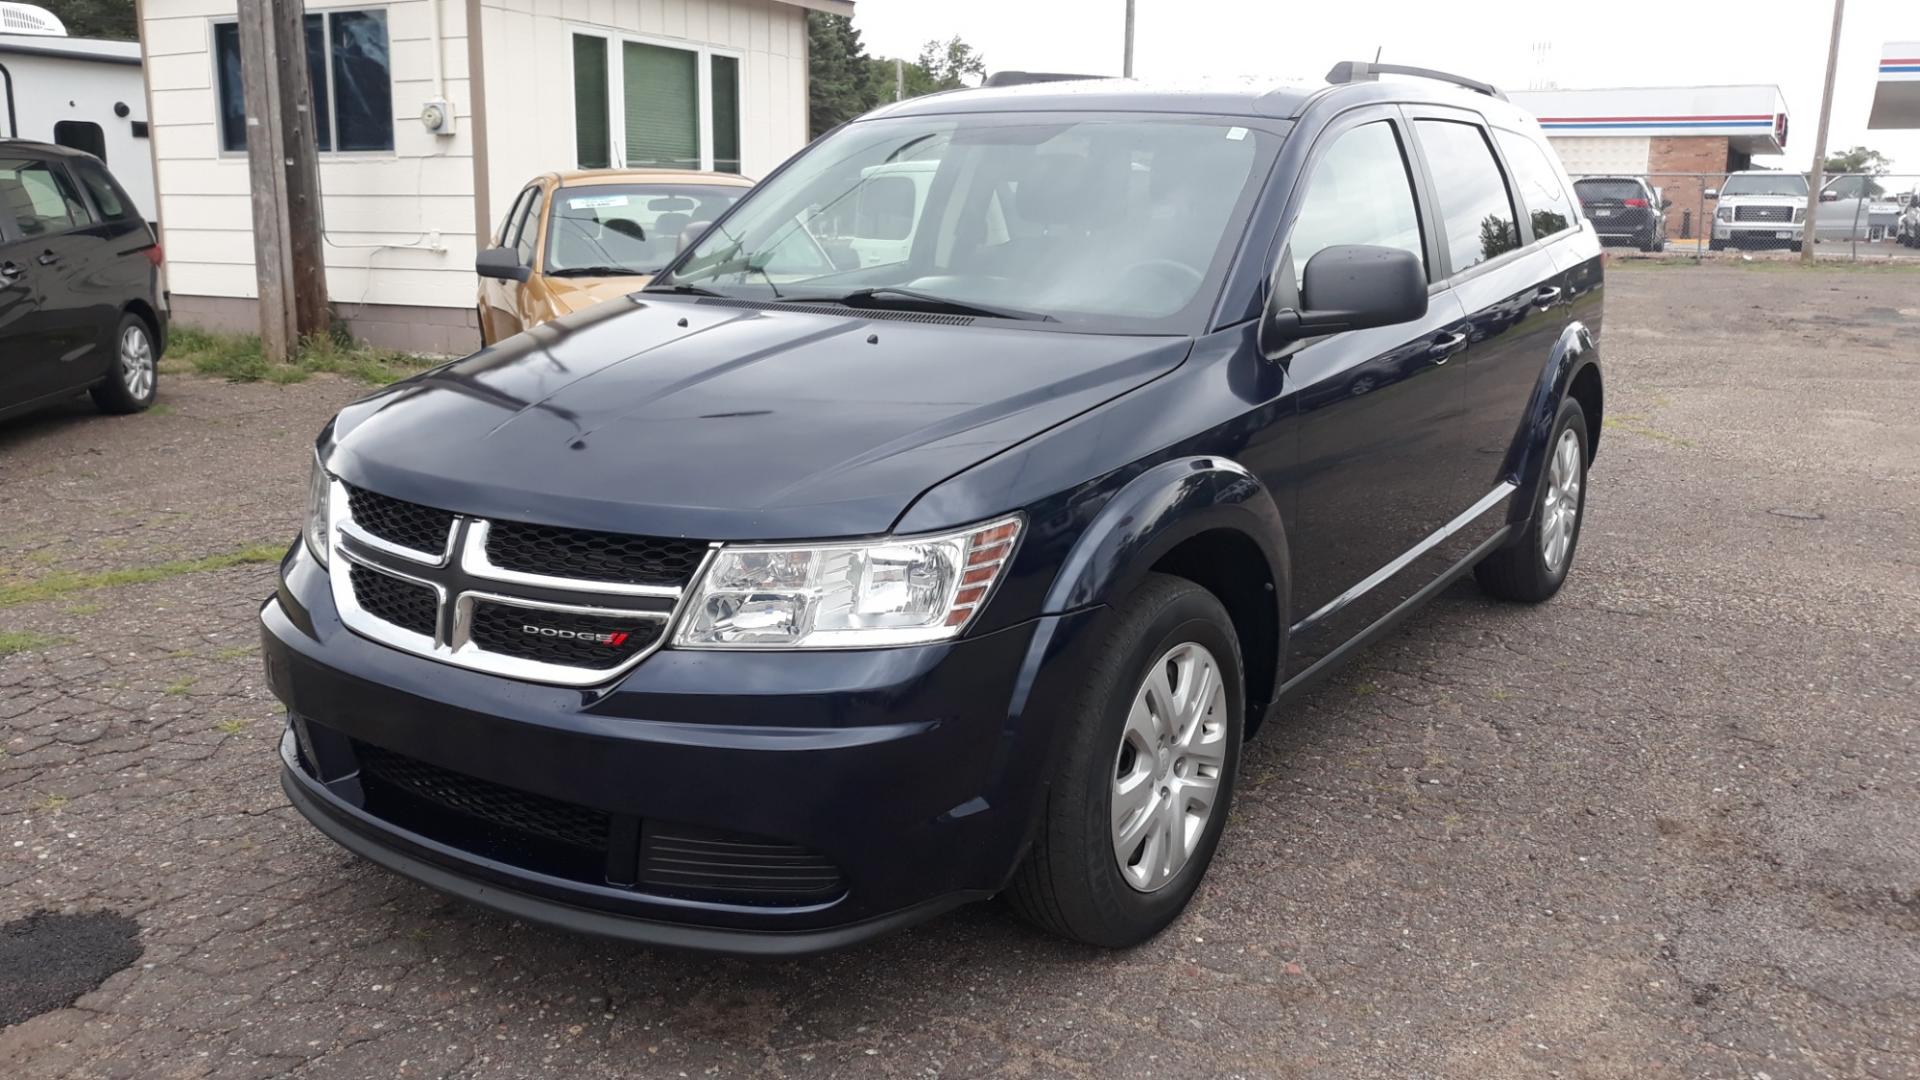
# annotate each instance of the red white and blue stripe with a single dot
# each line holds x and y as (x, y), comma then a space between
(1889, 65)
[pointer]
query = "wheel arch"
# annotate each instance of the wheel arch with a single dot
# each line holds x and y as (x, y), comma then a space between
(145, 313)
(1572, 370)
(1206, 519)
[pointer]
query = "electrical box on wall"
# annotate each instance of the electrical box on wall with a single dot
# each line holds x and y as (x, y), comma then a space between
(437, 117)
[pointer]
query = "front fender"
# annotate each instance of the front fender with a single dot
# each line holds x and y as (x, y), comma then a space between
(1576, 349)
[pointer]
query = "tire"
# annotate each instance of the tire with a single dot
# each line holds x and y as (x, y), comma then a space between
(1646, 243)
(1794, 246)
(1526, 571)
(1716, 245)
(134, 378)
(1072, 882)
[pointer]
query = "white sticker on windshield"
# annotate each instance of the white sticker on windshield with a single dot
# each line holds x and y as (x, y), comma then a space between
(1237, 133)
(594, 202)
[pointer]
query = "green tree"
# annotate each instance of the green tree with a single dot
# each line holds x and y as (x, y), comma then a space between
(1860, 159)
(111, 19)
(839, 71)
(950, 63)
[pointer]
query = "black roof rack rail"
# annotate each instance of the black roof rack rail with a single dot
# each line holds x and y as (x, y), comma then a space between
(1023, 78)
(1350, 71)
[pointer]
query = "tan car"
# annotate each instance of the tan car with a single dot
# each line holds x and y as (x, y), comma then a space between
(575, 239)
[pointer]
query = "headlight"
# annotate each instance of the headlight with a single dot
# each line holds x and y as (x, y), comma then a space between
(319, 510)
(1725, 213)
(898, 591)
(1799, 214)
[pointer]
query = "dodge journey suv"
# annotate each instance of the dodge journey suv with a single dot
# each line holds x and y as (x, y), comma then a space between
(793, 600)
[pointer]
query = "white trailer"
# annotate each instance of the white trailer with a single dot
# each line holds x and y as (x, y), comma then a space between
(83, 93)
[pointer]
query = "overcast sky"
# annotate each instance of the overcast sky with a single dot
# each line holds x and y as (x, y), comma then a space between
(1596, 43)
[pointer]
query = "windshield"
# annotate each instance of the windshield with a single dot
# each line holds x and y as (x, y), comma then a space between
(1792, 184)
(1616, 190)
(1123, 221)
(627, 228)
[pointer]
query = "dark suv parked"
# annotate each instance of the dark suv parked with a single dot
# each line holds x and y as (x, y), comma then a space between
(1624, 209)
(80, 300)
(787, 603)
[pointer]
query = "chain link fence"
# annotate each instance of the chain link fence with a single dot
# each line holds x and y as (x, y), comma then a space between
(1709, 215)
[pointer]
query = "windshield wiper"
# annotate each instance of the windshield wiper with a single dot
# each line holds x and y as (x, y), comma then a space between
(597, 271)
(683, 290)
(888, 296)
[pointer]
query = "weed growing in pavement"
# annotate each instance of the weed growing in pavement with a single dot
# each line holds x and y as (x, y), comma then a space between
(237, 358)
(17, 641)
(62, 582)
(51, 803)
(235, 652)
(179, 688)
(232, 727)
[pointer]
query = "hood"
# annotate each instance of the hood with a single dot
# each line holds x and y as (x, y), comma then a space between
(718, 421)
(571, 294)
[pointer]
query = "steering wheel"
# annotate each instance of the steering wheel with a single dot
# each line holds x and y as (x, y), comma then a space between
(1169, 267)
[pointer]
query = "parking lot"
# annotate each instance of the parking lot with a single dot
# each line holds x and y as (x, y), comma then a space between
(1664, 826)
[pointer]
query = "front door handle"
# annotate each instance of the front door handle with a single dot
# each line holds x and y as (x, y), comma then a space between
(11, 272)
(47, 258)
(1547, 295)
(1446, 345)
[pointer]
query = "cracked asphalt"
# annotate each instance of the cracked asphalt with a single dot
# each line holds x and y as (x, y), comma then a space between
(1667, 825)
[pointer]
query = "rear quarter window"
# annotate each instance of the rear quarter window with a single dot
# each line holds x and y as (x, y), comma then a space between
(1537, 183)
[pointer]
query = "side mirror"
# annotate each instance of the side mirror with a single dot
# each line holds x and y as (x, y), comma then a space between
(1350, 287)
(1712, 193)
(1829, 196)
(502, 263)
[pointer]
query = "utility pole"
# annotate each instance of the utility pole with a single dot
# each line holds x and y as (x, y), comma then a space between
(1817, 176)
(899, 80)
(284, 173)
(1126, 66)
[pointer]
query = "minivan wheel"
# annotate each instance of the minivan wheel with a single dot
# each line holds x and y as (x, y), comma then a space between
(1534, 568)
(133, 379)
(1133, 816)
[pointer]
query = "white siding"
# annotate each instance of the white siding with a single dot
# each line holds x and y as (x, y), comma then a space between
(382, 211)
(529, 70)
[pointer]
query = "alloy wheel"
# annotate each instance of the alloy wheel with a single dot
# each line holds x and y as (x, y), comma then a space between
(1560, 512)
(1167, 770)
(136, 362)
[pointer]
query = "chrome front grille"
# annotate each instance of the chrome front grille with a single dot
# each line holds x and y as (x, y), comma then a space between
(544, 604)
(1763, 213)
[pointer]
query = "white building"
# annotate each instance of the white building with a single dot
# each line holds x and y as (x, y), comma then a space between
(1896, 91)
(81, 93)
(533, 86)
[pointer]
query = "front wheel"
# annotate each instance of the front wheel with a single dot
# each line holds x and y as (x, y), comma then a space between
(1533, 569)
(133, 379)
(1132, 818)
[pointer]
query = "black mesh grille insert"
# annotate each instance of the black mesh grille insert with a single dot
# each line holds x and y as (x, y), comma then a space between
(710, 864)
(409, 525)
(402, 603)
(593, 556)
(555, 637)
(508, 808)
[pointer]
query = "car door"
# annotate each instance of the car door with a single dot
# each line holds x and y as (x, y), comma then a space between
(106, 268)
(20, 348)
(53, 255)
(1843, 209)
(500, 298)
(1373, 476)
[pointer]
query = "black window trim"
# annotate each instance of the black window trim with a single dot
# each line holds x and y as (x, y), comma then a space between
(504, 238)
(326, 35)
(1415, 113)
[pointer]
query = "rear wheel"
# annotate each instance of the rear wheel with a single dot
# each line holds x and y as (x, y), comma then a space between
(1132, 818)
(1534, 568)
(134, 378)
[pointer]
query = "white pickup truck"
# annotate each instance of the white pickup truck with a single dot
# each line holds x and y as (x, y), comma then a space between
(1766, 209)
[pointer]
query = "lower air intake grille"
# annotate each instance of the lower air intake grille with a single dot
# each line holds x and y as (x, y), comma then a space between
(555, 637)
(509, 808)
(402, 603)
(709, 864)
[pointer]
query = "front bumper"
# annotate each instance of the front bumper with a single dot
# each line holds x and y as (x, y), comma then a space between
(915, 772)
(1774, 231)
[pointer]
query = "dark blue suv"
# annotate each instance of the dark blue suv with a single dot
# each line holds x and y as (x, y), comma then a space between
(942, 521)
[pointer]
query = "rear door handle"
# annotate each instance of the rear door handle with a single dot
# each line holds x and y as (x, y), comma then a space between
(1547, 295)
(47, 258)
(10, 273)
(1446, 345)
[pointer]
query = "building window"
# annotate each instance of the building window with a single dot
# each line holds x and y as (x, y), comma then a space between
(642, 104)
(350, 71)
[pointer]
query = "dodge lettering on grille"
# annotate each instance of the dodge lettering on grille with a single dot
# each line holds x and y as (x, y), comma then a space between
(611, 640)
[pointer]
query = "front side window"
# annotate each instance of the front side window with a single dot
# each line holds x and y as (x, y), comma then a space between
(39, 197)
(1359, 193)
(637, 104)
(1538, 185)
(627, 228)
(349, 69)
(1476, 213)
(1123, 221)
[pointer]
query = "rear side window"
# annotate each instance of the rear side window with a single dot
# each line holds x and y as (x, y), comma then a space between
(39, 197)
(107, 196)
(1475, 211)
(1359, 193)
(1537, 183)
